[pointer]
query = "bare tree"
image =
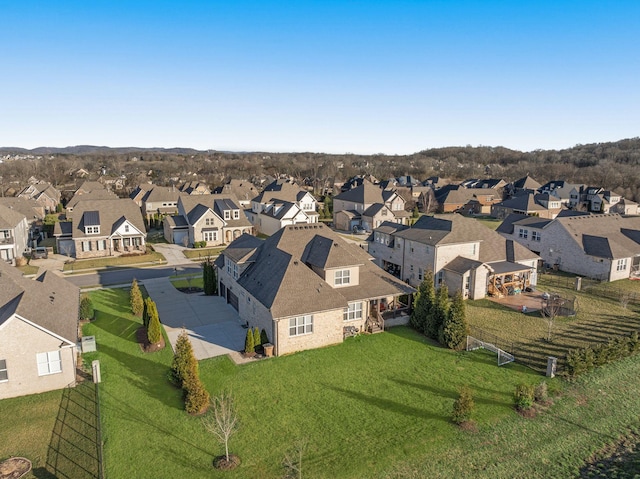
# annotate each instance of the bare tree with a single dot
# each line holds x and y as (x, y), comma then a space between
(292, 462)
(222, 420)
(551, 307)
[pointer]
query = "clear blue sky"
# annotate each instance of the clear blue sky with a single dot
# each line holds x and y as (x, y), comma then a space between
(324, 76)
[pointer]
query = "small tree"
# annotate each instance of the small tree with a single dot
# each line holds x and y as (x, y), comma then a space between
(135, 299)
(222, 421)
(524, 397)
(551, 308)
(293, 459)
(463, 406)
(145, 312)
(440, 312)
(197, 397)
(183, 359)
(209, 279)
(86, 308)
(264, 339)
(455, 328)
(249, 345)
(154, 330)
(423, 305)
(256, 338)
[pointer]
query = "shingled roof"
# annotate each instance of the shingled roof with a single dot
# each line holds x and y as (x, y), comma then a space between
(366, 193)
(282, 279)
(110, 212)
(49, 301)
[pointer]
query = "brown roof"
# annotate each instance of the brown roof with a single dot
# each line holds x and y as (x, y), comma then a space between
(111, 212)
(282, 279)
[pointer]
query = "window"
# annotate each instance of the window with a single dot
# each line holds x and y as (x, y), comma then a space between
(208, 222)
(440, 277)
(235, 271)
(535, 235)
(236, 214)
(522, 233)
(353, 311)
(622, 265)
(411, 246)
(473, 252)
(4, 376)
(228, 265)
(467, 283)
(92, 230)
(86, 246)
(420, 274)
(384, 212)
(49, 363)
(342, 277)
(301, 325)
(126, 228)
(227, 215)
(210, 235)
(102, 245)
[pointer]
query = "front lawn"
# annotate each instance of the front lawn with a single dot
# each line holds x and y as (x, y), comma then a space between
(82, 264)
(202, 253)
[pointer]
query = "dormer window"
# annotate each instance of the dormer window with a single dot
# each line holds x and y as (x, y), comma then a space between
(342, 277)
(92, 230)
(227, 214)
(236, 214)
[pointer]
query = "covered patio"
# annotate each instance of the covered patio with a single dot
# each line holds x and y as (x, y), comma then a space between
(507, 279)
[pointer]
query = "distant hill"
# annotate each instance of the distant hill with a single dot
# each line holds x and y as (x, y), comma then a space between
(90, 149)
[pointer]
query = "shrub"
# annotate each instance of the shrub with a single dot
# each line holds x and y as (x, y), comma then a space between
(209, 280)
(422, 314)
(524, 397)
(463, 406)
(249, 346)
(145, 313)
(541, 392)
(184, 361)
(197, 397)
(154, 330)
(455, 328)
(440, 312)
(256, 338)
(86, 308)
(264, 339)
(135, 299)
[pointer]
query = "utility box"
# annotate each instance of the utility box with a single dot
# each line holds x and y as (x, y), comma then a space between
(552, 364)
(88, 344)
(95, 369)
(578, 283)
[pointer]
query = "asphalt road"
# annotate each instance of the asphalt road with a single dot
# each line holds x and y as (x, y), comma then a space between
(113, 276)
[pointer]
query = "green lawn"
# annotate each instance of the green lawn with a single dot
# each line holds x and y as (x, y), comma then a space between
(28, 269)
(489, 222)
(361, 404)
(81, 264)
(202, 253)
(598, 318)
(190, 282)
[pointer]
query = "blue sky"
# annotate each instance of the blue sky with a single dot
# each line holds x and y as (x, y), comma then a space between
(326, 76)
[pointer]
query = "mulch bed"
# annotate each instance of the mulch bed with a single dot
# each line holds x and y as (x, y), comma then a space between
(191, 290)
(222, 464)
(145, 345)
(14, 468)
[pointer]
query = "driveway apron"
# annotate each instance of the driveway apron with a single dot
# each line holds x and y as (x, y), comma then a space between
(213, 326)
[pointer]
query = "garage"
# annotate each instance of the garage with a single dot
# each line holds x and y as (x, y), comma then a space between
(232, 299)
(66, 247)
(179, 236)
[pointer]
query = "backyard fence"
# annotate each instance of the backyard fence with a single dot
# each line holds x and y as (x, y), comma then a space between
(488, 337)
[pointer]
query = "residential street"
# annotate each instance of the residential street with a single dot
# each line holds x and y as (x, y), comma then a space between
(108, 277)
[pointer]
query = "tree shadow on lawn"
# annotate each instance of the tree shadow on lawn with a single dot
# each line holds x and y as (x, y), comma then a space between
(113, 300)
(453, 395)
(149, 376)
(408, 333)
(388, 405)
(118, 326)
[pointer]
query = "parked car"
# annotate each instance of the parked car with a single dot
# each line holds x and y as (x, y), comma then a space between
(39, 252)
(359, 230)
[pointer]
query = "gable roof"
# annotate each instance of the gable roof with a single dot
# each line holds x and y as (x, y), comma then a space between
(242, 189)
(28, 207)
(281, 277)
(526, 183)
(109, 213)
(283, 190)
(217, 203)
(101, 194)
(365, 193)
(49, 301)
(507, 226)
(10, 218)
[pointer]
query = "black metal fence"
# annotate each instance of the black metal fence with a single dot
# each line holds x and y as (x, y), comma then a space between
(487, 337)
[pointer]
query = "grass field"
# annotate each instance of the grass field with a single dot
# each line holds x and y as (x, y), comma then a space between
(202, 253)
(193, 282)
(489, 222)
(598, 318)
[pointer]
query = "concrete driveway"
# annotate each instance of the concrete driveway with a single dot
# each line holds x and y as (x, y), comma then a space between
(213, 326)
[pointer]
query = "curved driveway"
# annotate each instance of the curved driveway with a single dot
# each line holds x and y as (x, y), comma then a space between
(213, 326)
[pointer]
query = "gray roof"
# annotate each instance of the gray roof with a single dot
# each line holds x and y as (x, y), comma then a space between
(282, 279)
(110, 212)
(101, 194)
(10, 218)
(242, 248)
(278, 209)
(526, 183)
(605, 236)
(512, 219)
(504, 267)
(176, 221)
(30, 208)
(389, 227)
(91, 218)
(282, 190)
(461, 265)
(453, 228)
(366, 193)
(49, 301)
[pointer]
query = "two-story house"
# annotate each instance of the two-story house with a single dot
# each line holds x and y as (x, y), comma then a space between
(14, 234)
(281, 203)
(243, 190)
(459, 251)
(305, 286)
(543, 205)
(605, 247)
(214, 219)
(38, 333)
(368, 206)
(45, 194)
(100, 228)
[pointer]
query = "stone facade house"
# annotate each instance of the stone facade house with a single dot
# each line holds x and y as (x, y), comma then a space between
(368, 206)
(214, 219)
(38, 333)
(605, 247)
(45, 194)
(306, 286)
(459, 251)
(101, 228)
